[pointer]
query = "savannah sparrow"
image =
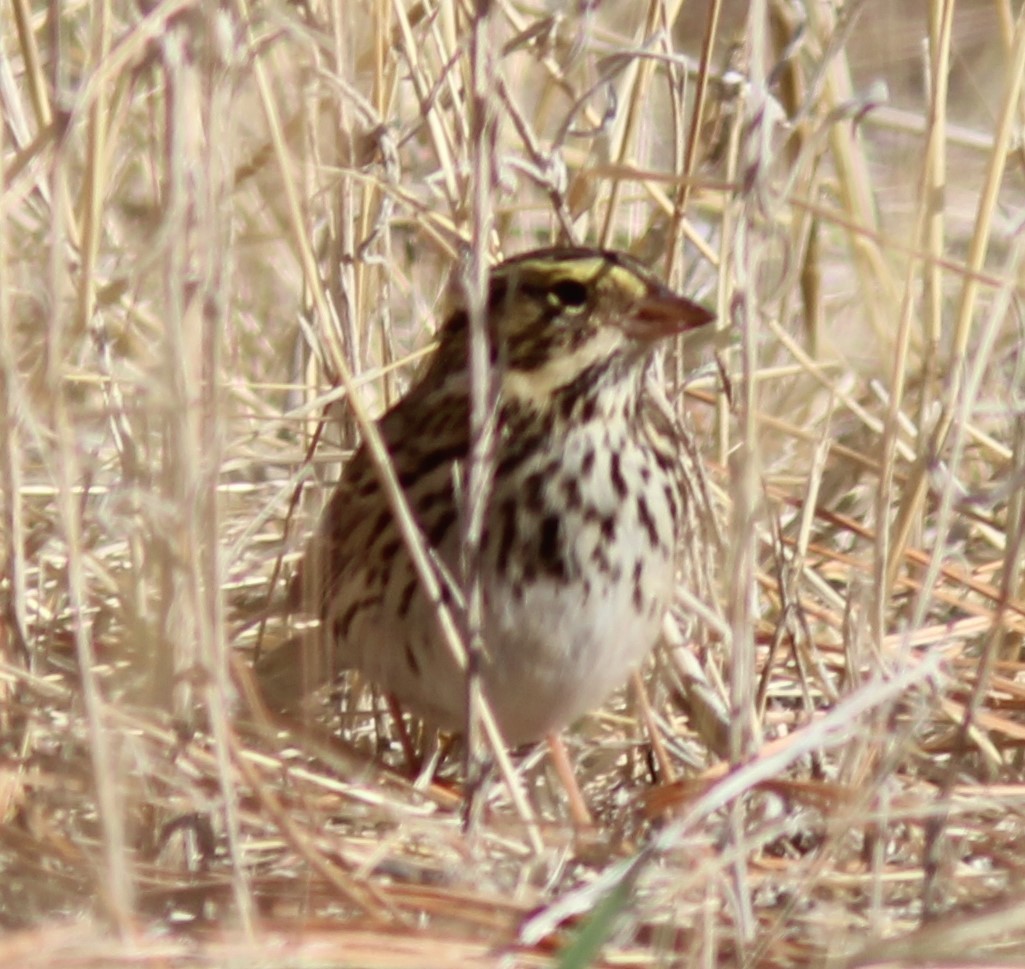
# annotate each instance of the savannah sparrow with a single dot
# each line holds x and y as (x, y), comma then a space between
(577, 548)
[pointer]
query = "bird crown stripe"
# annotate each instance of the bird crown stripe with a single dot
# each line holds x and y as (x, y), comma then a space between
(543, 272)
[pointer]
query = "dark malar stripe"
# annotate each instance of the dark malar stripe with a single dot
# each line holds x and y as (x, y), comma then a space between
(578, 400)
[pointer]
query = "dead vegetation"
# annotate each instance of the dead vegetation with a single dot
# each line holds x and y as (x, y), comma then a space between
(219, 221)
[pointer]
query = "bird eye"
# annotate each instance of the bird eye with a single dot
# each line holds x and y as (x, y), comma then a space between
(569, 292)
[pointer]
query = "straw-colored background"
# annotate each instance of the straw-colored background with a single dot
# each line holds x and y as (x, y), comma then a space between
(209, 213)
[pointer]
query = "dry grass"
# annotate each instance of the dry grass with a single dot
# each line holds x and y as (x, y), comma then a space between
(211, 216)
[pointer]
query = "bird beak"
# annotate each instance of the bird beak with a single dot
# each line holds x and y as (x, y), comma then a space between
(662, 313)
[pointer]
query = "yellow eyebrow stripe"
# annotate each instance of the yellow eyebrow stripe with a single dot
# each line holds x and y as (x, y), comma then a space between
(585, 269)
